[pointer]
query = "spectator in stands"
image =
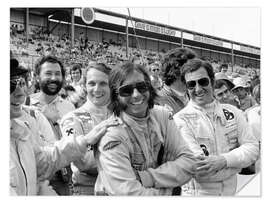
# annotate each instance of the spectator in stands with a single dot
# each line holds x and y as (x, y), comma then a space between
(51, 75)
(255, 79)
(224, 68)
(31, 163)
(240, 90)
(83, 119)
(220, 129)
(222, 90)
(173, 94)
(154, 70)
(76, 77)
(129, 158)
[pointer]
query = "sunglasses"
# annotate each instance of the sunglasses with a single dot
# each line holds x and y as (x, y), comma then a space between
(127, 90)
(14, 83)
(154, 70)
(203, 82)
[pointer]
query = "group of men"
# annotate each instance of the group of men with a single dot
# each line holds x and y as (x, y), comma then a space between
(219, 139)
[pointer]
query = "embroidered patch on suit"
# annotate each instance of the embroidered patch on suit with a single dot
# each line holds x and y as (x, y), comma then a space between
(228, 115)
(111, 145)
(69, 131)
(170, 115)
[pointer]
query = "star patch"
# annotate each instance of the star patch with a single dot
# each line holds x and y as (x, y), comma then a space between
(111, 145)
(228, 115)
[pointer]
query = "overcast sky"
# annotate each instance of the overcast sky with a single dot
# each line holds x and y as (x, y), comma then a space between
(239, 24)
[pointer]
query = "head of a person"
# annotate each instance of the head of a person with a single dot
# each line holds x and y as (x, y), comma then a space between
(222, 91)
(97, 83)
(224, 68)
(17, 88)
(131, 90)
(199, 78)
(240, 88)
(172, 63)
(76, 72)
(154, 69)
(253, 74)
(256, 93)
(50, 74)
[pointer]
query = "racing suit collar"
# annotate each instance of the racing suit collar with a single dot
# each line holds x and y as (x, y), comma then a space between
(218, 112)
(90, 107)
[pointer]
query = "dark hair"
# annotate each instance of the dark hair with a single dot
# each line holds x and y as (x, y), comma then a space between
(69, 88)
(224, 65)
(195, 64)
(116, 79)
(220, 83)
(75, 67)
(172, 62)
(49, 59)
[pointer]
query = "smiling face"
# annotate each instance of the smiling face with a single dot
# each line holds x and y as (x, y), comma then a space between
(51, 79)
(201, 95)
(17, 98)
(137, 103)
(97, 86)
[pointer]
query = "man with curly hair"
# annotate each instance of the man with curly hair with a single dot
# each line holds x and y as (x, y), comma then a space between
(173, 94)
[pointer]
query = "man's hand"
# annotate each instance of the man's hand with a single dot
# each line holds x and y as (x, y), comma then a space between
(51, 113)
(45, 189)
(210, 165)
(99, 130)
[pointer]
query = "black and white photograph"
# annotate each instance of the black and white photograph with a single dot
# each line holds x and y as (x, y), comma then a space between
(135, 100)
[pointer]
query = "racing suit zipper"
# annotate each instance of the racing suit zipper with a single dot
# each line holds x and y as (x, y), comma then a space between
(18, 153)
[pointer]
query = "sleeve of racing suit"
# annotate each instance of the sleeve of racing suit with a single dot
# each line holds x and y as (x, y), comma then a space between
(45, 128)
(178, 160)
(52, 158)
(188, 136)
(71, 125)
(248, 151)
(115, 171)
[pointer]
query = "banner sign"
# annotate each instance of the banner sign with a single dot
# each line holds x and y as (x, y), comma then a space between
(250, 50)
(154, 28)
(207, 40)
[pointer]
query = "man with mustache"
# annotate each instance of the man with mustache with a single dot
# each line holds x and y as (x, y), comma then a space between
(51, 75)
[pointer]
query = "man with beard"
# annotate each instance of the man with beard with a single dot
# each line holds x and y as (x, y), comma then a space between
(50, 75)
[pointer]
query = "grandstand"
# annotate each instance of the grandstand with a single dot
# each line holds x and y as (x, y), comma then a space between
(114, 37)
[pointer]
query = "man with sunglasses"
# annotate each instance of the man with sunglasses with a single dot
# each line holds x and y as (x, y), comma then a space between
(222, 130)
(32, 163)
(146, 155)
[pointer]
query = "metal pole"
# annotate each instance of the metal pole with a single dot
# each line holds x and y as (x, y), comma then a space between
(72, 28)
(127, 37)
(27, 25)
(182, 41)
(232, 57)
